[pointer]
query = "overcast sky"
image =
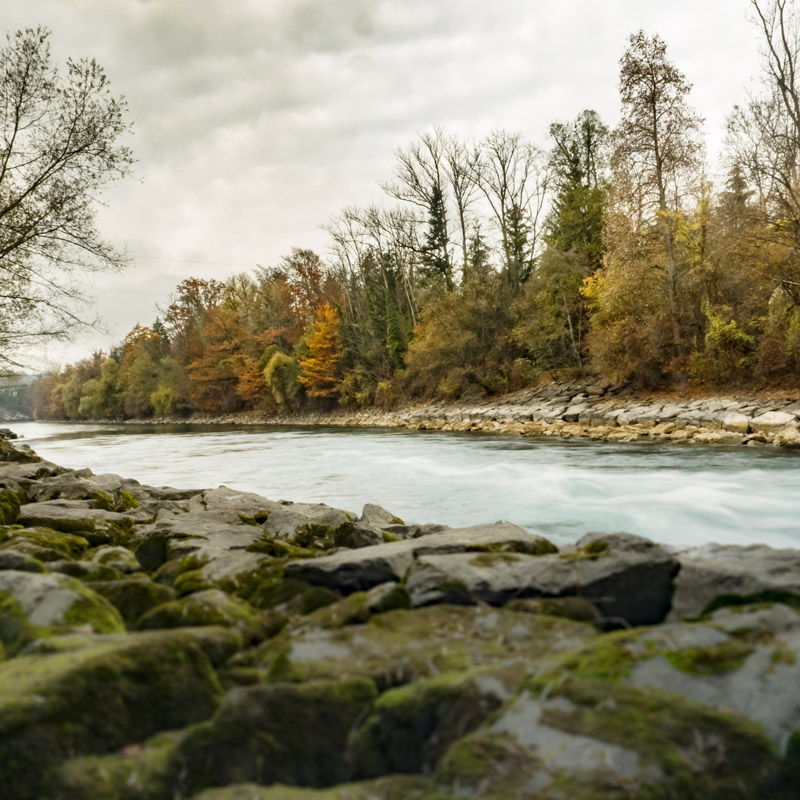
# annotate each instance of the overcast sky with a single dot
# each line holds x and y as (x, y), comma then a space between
(257, 120)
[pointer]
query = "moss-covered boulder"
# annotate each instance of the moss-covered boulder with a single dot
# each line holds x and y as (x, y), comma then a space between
(211, 607)
(397, 647)
(395, 787)
(10, 502)
(95, 700)
(17, 454)
(116, 557)
(96, 525)
(46, 543)
(290, 595)
(410, 727)
(586, 740)
(295, 735)
(20, 560)
(33, 604)
(135, 596)
(360, 606)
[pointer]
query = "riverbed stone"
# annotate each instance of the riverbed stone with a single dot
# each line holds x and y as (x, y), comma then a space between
(134, 596)
(45, 543)
(20, 560)
(717, 575)
(378, 516)
(628, 578)
(735, 422)
(356, 570)
(96, 525)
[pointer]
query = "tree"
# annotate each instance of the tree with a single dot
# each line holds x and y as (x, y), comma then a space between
(59, 147)
(657, 145)
(321, 368)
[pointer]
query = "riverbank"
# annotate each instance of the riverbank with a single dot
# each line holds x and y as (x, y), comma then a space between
(598, 411)
(219, 645)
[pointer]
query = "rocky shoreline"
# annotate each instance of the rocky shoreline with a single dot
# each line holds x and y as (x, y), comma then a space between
(219, 645)
(599, 411)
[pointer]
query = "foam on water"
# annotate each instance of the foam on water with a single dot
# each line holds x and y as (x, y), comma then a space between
(681, 495)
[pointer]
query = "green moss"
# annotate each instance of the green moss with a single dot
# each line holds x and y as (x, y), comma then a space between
(9, 506)
(292, 595)
(319, 537)
(783, 654)
(101, 500)
(92, 609)
(15, 630)
(713, 660)
(577, 608)
(536, 547)
(127, 501)
(487, 758)
(134, 597)
(489, 559)
(280, 549)
(389, 537)
(608, 658)
(191, 581)
(592, 551)
(65, 545)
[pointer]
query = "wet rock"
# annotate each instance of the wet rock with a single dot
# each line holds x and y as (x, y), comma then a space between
(717, 575)
(628, 578)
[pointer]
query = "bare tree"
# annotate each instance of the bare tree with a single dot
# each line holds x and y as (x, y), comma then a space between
(59, 147)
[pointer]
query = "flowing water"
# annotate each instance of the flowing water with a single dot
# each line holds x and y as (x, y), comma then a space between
(680, 495)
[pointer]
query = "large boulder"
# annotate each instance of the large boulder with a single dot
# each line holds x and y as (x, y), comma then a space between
(628, 578)
(715, 575)
(773, 422)
(95, 700)
(96, 525)
(356, 570)
(399, 646)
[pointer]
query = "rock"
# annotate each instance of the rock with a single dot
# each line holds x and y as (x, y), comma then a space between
(361, 569)
(20, 561)
(116, 557)
(95, 700)
(378, 517)
(282, 733)
(133, 597)
(717, 575)
(626, 577)
(31, 602)
(78, 516)
(773, 422)
(410, 727)
(355, 535)
(394, 787)
(360, 606)
(789, 437)
(45, 543)
(735, 422)
(209, 607)
(400, 646)
(17, 454)
(571, 738)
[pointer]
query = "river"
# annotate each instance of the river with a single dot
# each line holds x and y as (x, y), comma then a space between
(679, 495)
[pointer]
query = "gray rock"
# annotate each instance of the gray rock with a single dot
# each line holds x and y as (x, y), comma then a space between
(630, 581)
(20, 561)
(358, 535)
(378, 516)
(773, 422)
(735, 422)
(727, 573)
(76, 516)
(356, 570)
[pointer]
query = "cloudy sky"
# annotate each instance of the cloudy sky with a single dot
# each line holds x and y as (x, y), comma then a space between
(257, 120)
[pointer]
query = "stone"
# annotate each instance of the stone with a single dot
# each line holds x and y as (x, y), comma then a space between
(133, 597)
(31, 602)
(394, 787)
(20, 561)
(356, 570)
(209, 607)
(773, 422)
(355, 535)
(116, 557)
(95, 700)
(788, 437)
(735, 422)
(96, 525)
(717, 575)
(628, 578)
(400, 646)
(378, 516)
(45, 543)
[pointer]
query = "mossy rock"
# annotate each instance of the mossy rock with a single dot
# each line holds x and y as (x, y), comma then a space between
(360, 606)
(290, 595)
(134, 597)
(266, 734)
(212, 607)
(591, 741)
(394, 787)
(20, 560)
(400, 646)
(60, 544)
(410, 727)
(17, 455)
(115, 556)
(34, 605)
(85, 570)
(95, 700)
(10, 502)
(577, 608)
(76, 516)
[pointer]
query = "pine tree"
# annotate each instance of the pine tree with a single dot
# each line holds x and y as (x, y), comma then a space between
(321, 368)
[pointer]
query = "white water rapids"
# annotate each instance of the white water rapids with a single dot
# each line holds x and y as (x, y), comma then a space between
(679, 495)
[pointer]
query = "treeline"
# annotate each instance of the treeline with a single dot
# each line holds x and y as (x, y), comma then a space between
(496, 262)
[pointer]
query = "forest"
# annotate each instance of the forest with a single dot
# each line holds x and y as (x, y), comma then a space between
(494, 264)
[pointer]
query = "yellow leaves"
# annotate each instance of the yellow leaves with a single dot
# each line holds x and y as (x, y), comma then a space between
(321, 368)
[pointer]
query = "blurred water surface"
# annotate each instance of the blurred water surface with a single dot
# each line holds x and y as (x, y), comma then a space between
(680, 495)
